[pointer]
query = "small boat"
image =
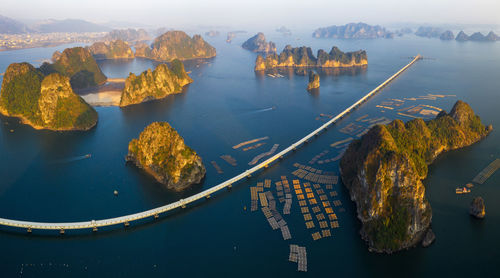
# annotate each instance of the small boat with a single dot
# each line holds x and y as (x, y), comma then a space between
(88, 155)
(462, 190)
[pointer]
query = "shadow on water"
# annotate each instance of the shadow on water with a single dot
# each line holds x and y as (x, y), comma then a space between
(158, 109)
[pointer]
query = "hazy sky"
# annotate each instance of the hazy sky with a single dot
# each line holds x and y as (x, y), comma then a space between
(174, 13)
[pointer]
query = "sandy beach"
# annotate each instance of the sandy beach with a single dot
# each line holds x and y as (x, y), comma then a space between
(105, 98)
(108, 94)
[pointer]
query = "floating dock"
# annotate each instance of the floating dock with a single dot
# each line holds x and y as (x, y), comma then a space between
(262, 155)
(217, 167)
(249, 142)
(487, 172)
(229, 159)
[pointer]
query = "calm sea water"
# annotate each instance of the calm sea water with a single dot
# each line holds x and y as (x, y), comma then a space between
(44, 178)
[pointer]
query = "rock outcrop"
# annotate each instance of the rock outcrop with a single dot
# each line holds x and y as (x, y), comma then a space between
(44, 102)
(258, 44)
(461, 37)
(176, 45)
(447, 36)
(156, 84)
(303, 57)
(117, 49)
(353, 31)
(477, 208)
(428, 238)
(161, 152)
(79, 65)
(313, 80)
(383, 172)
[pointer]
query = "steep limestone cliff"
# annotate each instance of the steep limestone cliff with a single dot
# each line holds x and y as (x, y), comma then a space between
(161, 151)
(156, 84)
(176, 45)
(44, 102)
(383, 172)
(302, 57)
(117, 49)
(313, 80)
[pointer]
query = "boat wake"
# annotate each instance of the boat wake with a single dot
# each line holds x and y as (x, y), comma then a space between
(71, 159)
(260, 111)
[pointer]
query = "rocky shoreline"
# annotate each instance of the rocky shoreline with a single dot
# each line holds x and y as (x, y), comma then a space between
(384, 174)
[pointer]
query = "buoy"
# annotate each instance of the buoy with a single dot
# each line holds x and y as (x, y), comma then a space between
(115, 192)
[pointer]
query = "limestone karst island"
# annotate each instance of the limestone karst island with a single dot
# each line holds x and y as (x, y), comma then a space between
(249, 139)
(156, 84)
(295, 57)
(161, 152)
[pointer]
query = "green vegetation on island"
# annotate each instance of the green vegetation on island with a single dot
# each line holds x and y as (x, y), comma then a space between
(176, 45)
(161, 152)
(156, 84)
(79, 65)
(44, 102)
(383, 172)
(116, 49)
(303, 57)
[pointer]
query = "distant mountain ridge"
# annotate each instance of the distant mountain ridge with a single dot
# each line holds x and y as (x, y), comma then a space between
(353, 31)
(68, 25)
(12, 26)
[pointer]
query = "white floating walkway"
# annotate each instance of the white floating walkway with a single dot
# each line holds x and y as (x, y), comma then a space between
(154, 213)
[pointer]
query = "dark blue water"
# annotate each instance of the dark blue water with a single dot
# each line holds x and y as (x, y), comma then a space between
(44, 176)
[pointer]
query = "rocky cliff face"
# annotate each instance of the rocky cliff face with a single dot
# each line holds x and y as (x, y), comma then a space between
(150, 85)
(353, 31)
(258, 43)
(44, 102)
(176, 45)
(313, 80)
(303, 57)
(477, 208)
(383, 172)
(161, 151)
(117, 49)
(79, 65)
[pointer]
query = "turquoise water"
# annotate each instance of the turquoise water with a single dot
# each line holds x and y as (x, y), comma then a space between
(44, 179)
